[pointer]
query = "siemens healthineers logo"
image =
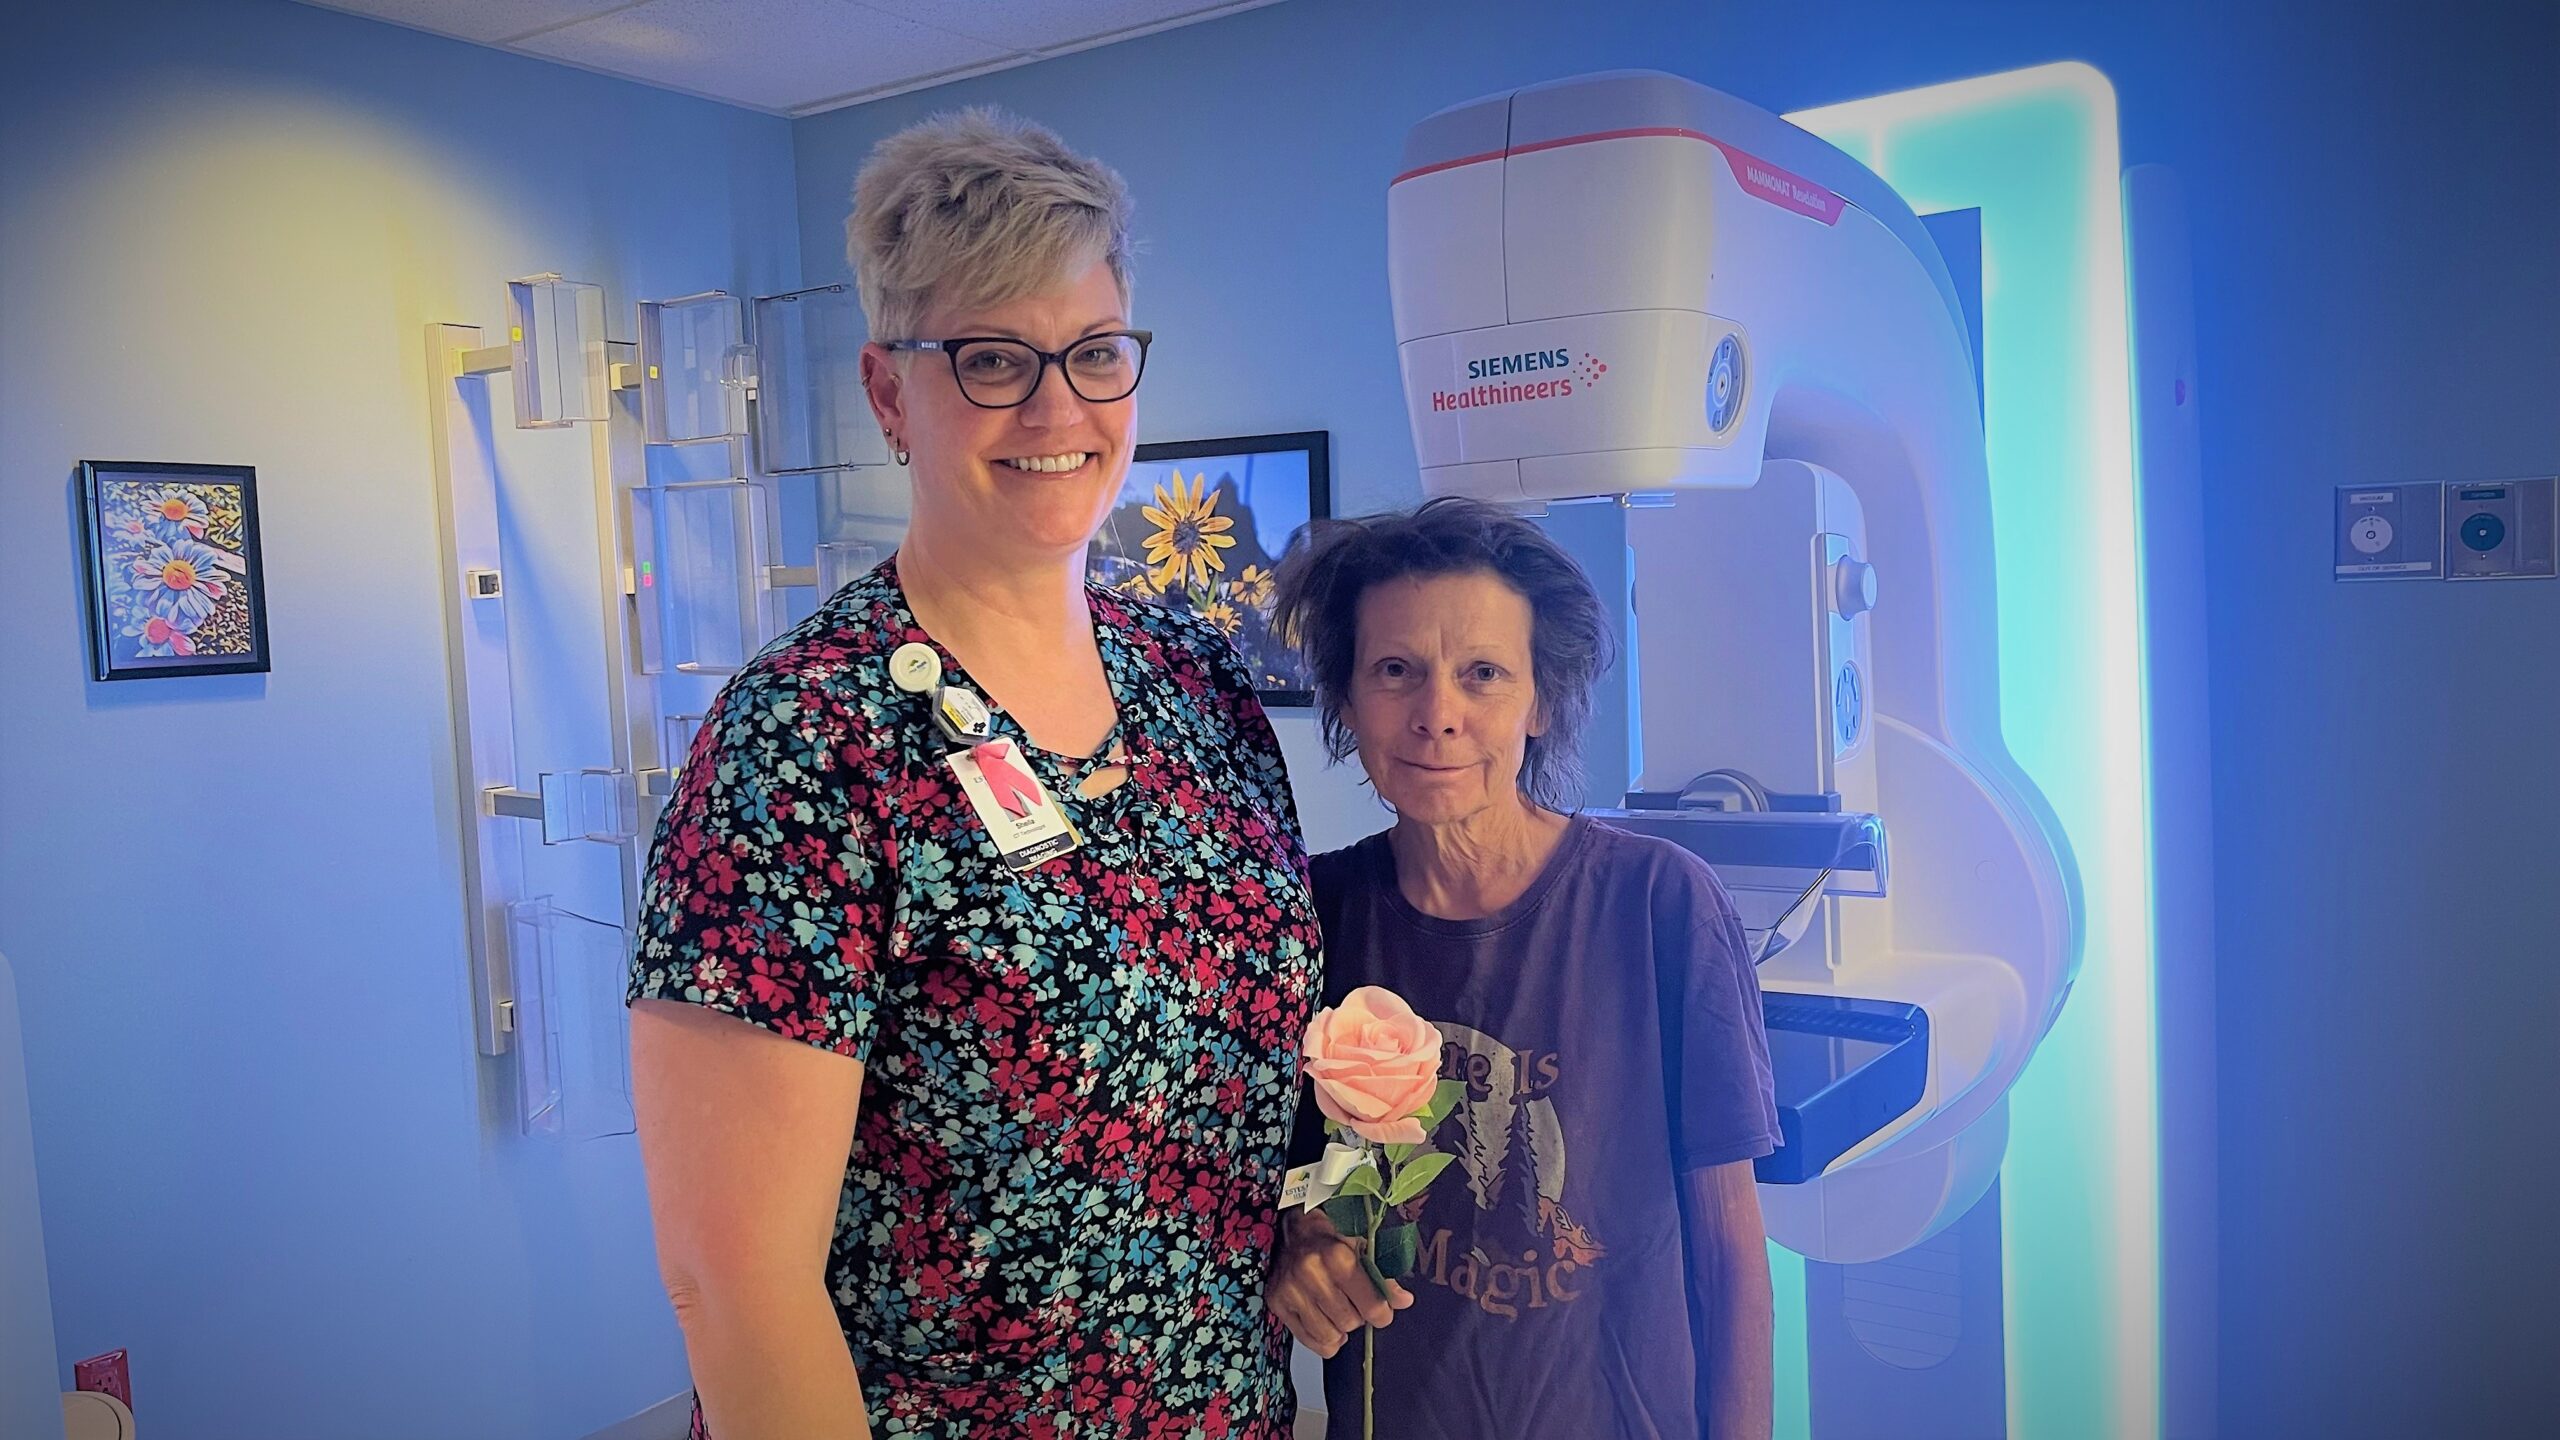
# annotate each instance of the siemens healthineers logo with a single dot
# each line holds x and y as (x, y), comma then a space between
(1500, 391)
(1520, 364)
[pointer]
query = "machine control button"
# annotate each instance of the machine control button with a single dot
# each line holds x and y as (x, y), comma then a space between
(1853, 587)
(1724, 384)
(2370, 535)
(1848, 706)
(2484, 532)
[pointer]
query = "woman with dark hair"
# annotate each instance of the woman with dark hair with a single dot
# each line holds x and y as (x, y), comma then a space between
(1592, 992)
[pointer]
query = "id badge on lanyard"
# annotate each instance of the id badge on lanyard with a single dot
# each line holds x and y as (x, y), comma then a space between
(1020, 815)
(1028, 827)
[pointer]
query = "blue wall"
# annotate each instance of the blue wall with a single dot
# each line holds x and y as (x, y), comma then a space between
(232, 903)
(2373, 200)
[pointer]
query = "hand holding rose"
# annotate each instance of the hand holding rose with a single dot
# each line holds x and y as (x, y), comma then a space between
(1375, 1066)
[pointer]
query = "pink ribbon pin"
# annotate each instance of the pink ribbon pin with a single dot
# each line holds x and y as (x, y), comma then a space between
(1014, 789)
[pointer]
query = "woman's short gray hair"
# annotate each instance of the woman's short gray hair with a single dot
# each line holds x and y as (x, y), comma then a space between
(974, 209)
(1332, 563)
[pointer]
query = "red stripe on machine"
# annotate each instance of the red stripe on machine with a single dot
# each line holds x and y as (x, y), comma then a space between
(1779, 186)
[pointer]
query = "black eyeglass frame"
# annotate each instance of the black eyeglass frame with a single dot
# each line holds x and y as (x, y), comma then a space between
(950, 349)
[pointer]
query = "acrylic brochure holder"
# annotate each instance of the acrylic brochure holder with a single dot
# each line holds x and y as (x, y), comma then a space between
(811, 415)
(695, 369)
(556, 352)
(716, 581)
(689, 580)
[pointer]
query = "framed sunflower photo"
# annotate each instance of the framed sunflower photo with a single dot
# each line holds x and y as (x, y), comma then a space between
(176, 586)
(1200, 525)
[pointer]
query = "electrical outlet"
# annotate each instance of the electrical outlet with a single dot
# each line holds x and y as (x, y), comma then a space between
(107, 1374)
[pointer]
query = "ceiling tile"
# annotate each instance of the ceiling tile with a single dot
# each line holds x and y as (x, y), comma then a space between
(488, 21)
(779, 55)
(1048, 24)
(792, 57)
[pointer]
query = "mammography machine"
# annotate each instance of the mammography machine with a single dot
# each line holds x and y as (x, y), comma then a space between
(1628, 287)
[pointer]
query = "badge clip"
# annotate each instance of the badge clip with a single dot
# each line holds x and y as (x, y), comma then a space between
(961, 716)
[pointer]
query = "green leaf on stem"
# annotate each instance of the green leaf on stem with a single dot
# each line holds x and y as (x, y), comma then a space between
(1377, 1277)
(1349, 1214)
(1412, 1178)
(1443, 1100)
(1363, 1181)
(1396, 1250)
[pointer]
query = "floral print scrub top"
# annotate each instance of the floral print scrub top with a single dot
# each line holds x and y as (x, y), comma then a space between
(1078, 1079)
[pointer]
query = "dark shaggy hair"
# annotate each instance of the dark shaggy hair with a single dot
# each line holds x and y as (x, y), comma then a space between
(1332, 563)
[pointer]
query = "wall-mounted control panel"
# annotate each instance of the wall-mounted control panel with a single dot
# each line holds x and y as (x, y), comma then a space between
(2486, 530)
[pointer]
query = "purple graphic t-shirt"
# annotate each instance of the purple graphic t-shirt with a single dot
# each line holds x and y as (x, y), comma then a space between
(1607, 1026)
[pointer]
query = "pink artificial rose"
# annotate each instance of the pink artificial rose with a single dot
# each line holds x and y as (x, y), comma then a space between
(1375, 1065)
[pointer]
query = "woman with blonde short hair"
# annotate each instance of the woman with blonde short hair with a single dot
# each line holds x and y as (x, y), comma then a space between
(976, 946)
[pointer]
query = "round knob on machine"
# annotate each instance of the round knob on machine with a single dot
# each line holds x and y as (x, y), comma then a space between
(1853, 587)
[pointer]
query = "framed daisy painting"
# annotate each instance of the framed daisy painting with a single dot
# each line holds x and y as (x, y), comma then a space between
(175, 583)
(1201, 524)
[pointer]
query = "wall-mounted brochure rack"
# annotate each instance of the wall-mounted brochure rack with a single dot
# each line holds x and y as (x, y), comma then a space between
(690, 579)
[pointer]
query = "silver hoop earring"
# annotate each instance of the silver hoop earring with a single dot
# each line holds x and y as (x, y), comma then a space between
(902, 457)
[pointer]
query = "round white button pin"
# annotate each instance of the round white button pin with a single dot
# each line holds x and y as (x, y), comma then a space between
(915, 668)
